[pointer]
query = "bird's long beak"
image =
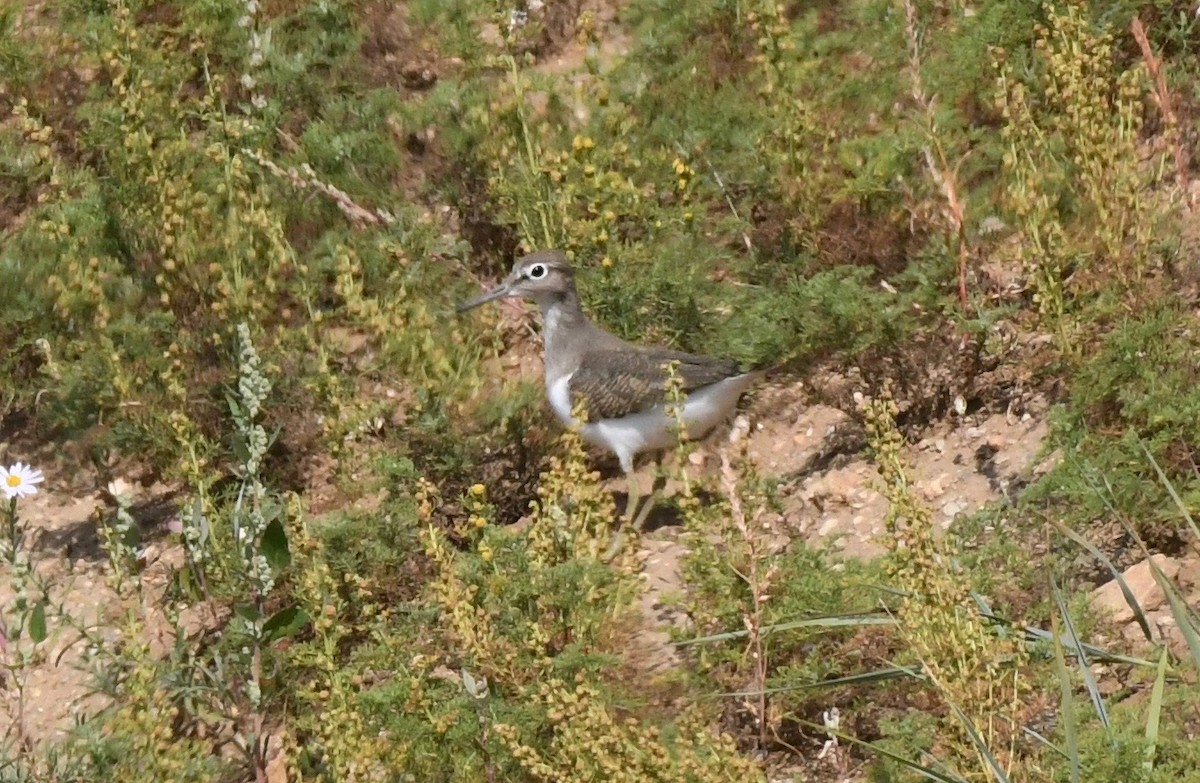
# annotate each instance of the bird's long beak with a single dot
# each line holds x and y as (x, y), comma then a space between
(498, 292)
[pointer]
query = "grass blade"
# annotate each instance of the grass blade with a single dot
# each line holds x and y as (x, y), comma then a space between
(968, 725)
(981, 746)
(1081, 658)
(1126, 593)
(1034, 634)
(1098, 654)
(1067, 709)
(928, 773)
(879, 675)
(1166, 482)
(1156, 700)
(831, 621)
(1185, 619)
(1179, 609)
(1039, 738)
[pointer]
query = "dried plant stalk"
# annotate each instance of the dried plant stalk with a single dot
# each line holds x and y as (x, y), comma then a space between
(1162, 99)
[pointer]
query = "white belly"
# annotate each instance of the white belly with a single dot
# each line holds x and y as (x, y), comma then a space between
(653, 430)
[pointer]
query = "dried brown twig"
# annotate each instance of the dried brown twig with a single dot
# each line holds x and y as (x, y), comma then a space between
(1162, 99)
(759, 574)
(306, 179)
(943, 174)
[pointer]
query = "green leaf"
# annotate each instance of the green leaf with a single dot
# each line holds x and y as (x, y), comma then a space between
(871, 677)
(1067, 709)
(275, 546)
(184, 583)
(831, 621)
(37, 623)
(1126, 593)
(271, 509)
(1179, 504)
(285, 623)
(927, 772)
(200, 522)
(980, 745)
(241, 452)
(1081, 658)
(1098, 654)
(1156, 702)
(1028, 732)
(476, 688)
(1184, 618)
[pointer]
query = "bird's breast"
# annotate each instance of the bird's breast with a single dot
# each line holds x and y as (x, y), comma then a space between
(558, 390)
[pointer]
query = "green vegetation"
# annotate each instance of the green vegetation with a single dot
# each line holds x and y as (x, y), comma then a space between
(234, 232)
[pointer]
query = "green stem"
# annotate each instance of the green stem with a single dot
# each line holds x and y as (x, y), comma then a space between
(12, 530)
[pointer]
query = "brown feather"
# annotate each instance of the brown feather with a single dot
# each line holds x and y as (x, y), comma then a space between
(618, 383)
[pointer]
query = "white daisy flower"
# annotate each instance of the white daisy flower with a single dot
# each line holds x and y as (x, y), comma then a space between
(20, 481)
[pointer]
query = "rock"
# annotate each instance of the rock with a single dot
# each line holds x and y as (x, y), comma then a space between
(1189, 573)
(490, 35)
(828, 525)
(1048, 463)
(203, 618)
(418, 76)
(935, 488)
(952, 508)
(1163, 630)
(1107, 598)
(346, 341)
(837, 487)
(277, 760)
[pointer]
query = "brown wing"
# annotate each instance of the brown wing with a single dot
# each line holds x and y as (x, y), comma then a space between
(617, 383)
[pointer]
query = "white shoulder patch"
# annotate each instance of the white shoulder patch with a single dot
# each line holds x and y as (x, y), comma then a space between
(559, 393)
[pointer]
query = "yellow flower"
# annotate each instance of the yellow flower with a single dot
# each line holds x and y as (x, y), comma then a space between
(477, 490)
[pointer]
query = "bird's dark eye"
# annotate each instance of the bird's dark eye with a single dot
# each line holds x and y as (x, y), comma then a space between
(537, 272)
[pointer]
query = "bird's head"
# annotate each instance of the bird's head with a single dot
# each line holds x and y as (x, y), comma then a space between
(542, 277)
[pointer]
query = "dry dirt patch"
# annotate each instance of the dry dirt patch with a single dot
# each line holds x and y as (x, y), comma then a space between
(58, 687)
(829, 487)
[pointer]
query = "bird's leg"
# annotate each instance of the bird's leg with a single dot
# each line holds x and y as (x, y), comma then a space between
(637, 507)
(655, 488)
(631, 497)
